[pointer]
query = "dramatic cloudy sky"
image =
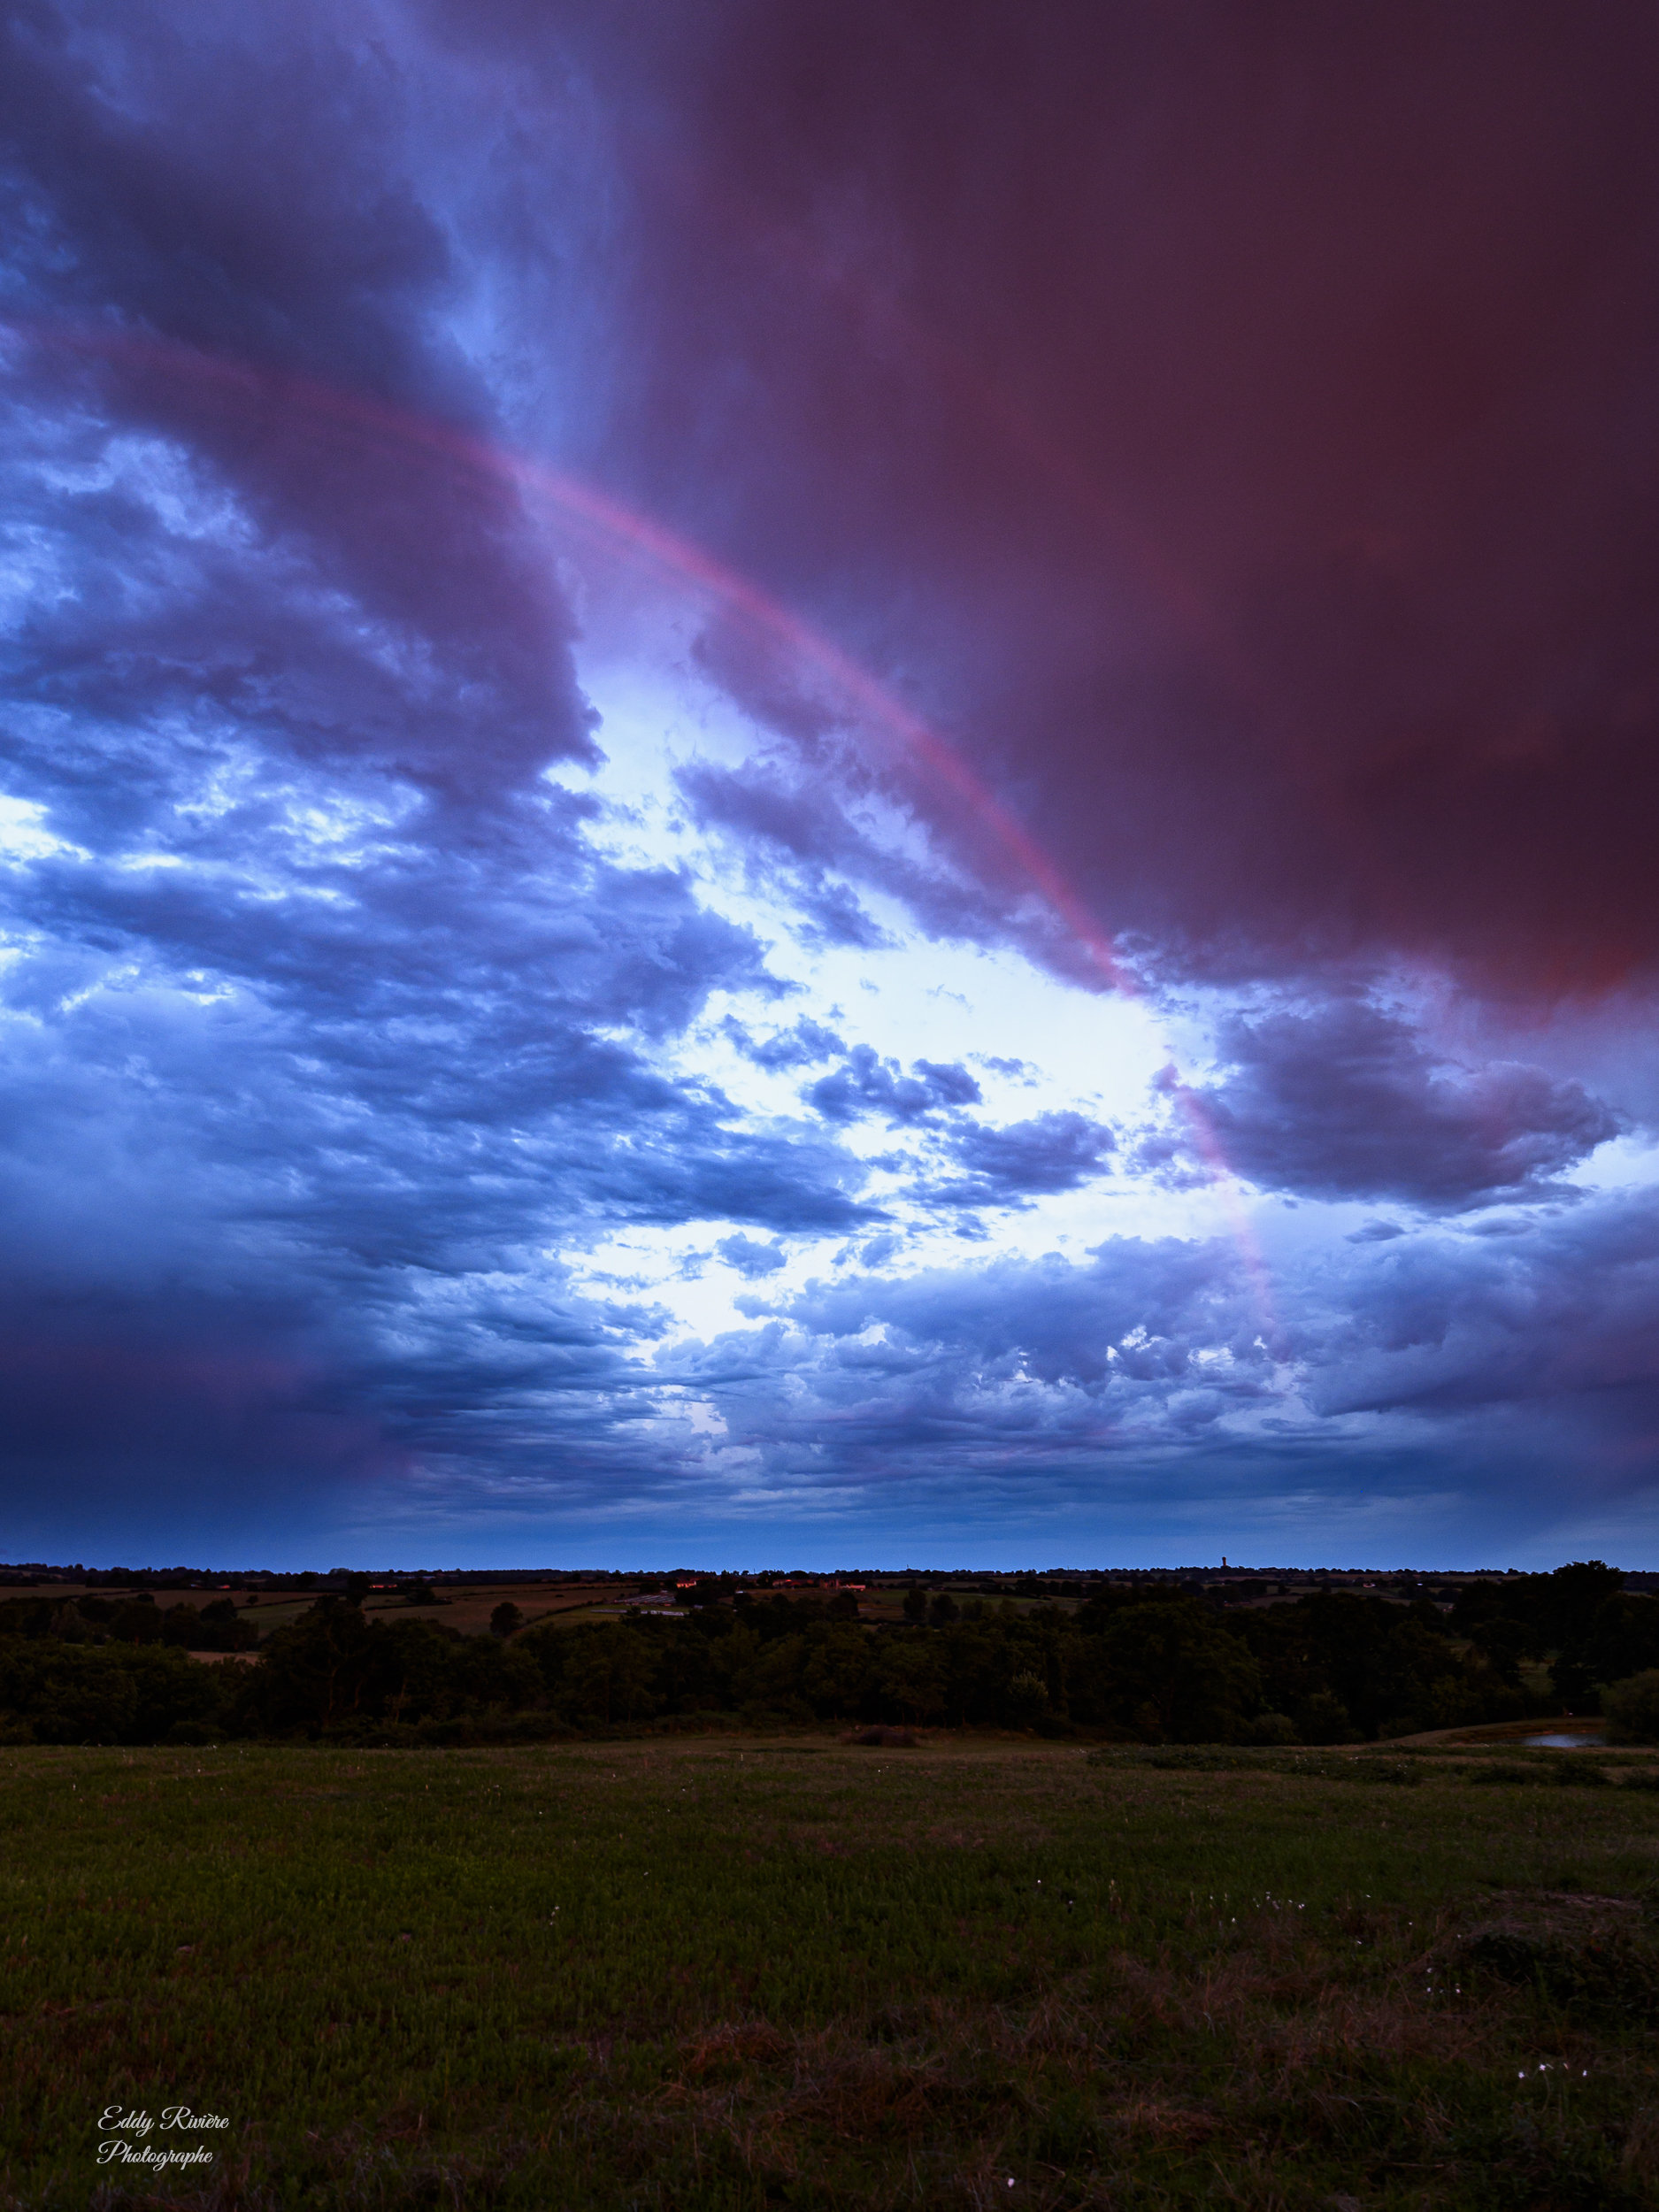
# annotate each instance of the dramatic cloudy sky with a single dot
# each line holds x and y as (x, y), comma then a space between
(823, 780)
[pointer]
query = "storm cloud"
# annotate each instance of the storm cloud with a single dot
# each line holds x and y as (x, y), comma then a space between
(655, 660)
(1250, 412)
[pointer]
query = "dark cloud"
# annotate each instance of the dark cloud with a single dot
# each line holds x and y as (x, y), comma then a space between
(1051, 1152)
(1231, 432)
(327, 1035)
(1348, 1101)
(1236, 429)
(868, 1084)
(225, 249)
(1560, 1307)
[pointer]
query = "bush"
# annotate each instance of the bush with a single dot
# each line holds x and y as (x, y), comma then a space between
(1271, 1728)
(1325, 1719)
(1632, 1709)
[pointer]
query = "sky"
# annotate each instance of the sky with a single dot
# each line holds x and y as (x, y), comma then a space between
(810, 782)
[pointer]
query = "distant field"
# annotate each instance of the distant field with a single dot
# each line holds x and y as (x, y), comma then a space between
(465, 1607)
(788, 1971)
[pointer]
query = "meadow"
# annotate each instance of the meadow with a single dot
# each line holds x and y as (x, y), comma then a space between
(795, 1971)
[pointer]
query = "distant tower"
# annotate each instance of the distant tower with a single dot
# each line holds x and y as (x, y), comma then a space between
(1224, 1558)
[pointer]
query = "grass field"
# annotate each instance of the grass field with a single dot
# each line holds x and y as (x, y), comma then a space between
(711, 1973)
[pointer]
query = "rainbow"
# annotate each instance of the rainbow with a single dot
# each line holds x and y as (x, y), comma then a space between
(600, 520)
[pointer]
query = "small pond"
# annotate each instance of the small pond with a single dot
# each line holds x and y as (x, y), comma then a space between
(1565, 1743)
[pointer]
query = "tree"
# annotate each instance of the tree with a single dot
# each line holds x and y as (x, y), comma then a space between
(1571, 1598)
(607, 1678)
(314, 1673)
(1573, 1682)
(1624, 1639)
(911, 1672)
(916, 1604)
(1323, 1718)
(1505, 1642)
(1027, 1698)
(837, 1670)
(1177, 1674)
(138, 1621)
(506, 1620)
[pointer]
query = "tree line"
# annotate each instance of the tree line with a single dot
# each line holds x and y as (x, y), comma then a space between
(1128, 1664)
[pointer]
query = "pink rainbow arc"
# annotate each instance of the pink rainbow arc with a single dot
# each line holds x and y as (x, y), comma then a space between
(617, 526)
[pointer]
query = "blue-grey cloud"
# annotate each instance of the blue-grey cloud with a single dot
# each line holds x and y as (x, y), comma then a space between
(327, 1033)
(801, 1045)
(868, 1084)
(1348, 1101)
(1047, 1383)
(750, 1259)
(273, 324)
(794, 818)
(334, 1039)
(1049, 1152)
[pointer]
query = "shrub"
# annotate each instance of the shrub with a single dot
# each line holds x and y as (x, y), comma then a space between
(1325, 1719)
(1632, 1709)
(1271, 1728)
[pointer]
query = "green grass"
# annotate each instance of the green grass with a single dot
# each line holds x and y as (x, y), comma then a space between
(697, 1974)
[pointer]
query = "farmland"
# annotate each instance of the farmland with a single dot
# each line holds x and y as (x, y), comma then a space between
(790, 1969)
